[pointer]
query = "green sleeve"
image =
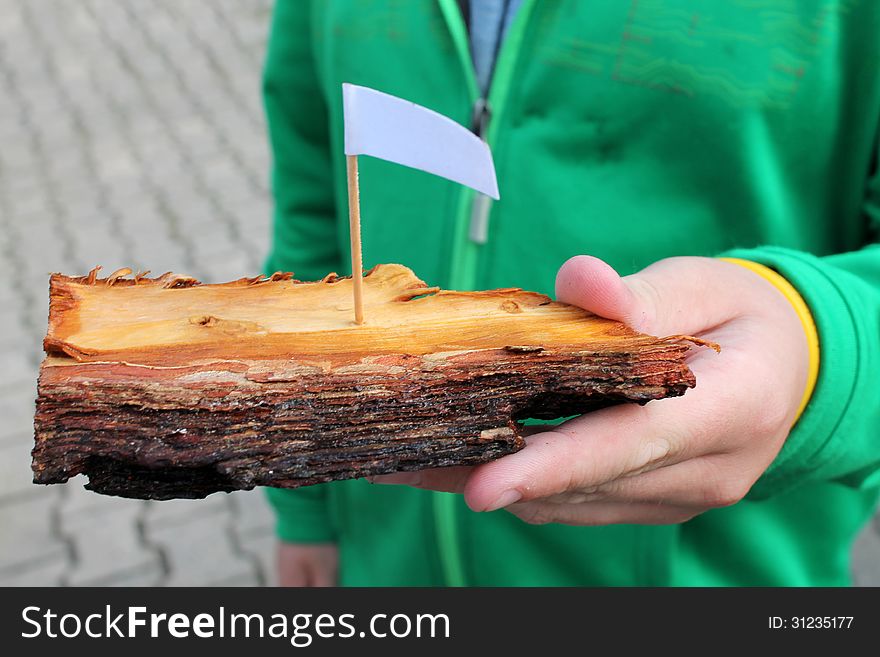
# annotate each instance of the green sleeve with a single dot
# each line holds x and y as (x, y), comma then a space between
(838, 436)
(304, 235)
(304, 230)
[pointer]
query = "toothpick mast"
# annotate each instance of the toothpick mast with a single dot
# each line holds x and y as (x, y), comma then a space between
(354, 229)
(400, 131)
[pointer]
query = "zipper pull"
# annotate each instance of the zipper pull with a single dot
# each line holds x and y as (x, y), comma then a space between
(479, 226)
(480, 118)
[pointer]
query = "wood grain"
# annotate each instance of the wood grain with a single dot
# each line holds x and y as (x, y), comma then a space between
(162, 388)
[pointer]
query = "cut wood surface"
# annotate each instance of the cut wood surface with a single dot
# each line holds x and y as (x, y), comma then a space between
(166, 387)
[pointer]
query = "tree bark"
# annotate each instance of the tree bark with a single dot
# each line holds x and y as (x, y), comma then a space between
(164, 388)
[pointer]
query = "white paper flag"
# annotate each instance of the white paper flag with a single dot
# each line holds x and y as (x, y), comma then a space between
(397, 130)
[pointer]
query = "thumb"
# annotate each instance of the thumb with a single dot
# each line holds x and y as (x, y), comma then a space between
(671, 296)
(593, 285)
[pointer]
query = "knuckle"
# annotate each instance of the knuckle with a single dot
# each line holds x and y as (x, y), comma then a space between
(652, 452)
(661, 517)
(656, 451)
(591, 493)
(772, 418)
(711, 420)
(646, 320)
(770, 406)
(570, 470)
(682, 516)
(604, 491)
(532, 514)
(724, 492)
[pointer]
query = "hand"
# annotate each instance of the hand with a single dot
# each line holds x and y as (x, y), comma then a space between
(308, 564)
(669, 460)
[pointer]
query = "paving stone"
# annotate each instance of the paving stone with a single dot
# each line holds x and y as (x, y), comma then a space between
(254, 530)
(252, 511)
(10, 22)
(45, 243)
(27, 207)
(113, 120)
(230, 265)
(866, 556)
(16, 479)
(106, 538)
(18, 370)
(28, 535)
(171, 513)
(158, 259)
(200, 551)
(250, 579)
(38, 317)
(15, 335)
(262, 546)
(81, 503)
(212, 244)
(46, 572)
(149, 575)
(252, 214)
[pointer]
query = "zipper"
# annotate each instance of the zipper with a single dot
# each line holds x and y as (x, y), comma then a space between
(471, 221)
(478, 231)
(459, 279)
(465, 251)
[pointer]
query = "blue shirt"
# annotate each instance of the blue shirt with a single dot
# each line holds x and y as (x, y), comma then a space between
(489, 20)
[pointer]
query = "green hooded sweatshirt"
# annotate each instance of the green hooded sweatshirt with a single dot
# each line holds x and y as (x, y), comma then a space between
(631, 131)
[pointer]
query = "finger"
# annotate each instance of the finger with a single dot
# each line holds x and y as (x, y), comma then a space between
(700, 484)
(580, 454)
(291, 569)
(593, 284)
(601, 513)
(446, 480)
(587, 452)
(293, 577)
(322, 574)
(676, 295)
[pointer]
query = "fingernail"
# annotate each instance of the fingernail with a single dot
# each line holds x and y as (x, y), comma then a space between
(506, 498)
(400, 478)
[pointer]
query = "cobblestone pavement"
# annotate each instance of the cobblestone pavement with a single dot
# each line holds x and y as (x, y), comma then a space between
(131, 134)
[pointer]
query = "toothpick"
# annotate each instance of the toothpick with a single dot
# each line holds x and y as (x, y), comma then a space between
(354, 229)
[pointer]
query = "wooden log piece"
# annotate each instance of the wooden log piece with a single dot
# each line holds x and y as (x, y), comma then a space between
(163, 388)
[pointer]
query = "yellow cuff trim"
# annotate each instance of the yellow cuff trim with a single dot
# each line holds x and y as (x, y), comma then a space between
(803, 312)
